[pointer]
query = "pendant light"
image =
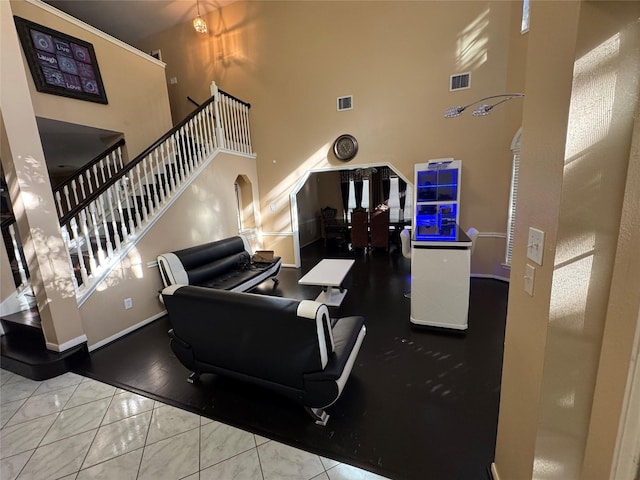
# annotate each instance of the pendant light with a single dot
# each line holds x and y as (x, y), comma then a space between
(198, 23)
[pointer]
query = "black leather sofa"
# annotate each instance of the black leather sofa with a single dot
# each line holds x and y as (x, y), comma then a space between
(224, 264)
(290, 346)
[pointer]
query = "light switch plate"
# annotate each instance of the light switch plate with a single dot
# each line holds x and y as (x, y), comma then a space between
(535, 245)
(529, 279)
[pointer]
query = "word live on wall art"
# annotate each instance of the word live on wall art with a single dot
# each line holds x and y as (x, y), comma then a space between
(60, 64)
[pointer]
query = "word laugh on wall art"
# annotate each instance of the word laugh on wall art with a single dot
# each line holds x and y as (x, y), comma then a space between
(60, 64)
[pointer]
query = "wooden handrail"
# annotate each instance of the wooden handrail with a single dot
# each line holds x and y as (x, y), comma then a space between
(130, 166)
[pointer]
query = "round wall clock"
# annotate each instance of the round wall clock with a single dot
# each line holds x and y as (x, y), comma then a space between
(345, 147)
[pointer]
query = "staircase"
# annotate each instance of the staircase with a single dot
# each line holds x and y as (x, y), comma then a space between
(106, 208)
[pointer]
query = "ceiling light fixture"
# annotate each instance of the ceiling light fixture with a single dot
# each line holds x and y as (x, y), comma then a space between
(198, 23)
(482, 109)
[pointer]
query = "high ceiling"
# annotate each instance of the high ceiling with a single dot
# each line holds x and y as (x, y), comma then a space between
(132, 20)
(68, 146)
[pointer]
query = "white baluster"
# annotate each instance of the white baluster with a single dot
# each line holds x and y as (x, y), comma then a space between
(96, 232)
(105, 222)
(120, 162)
(245, 122)
(184, 144)
(81, 182)
(204, 144)
(234, 123)
(84, 227)
(110, 201)
(179, 160)
(74, 189)
(87, 174)
(104, 178)
(142, 204)
(76, 238)
(59, 204)
(193, 157)
(67, 241)
(67, 197)
(95, 180)
(159, 178)
(246, 116)
(18, 255)
(123, 221)
(129, 197)
(152, 197)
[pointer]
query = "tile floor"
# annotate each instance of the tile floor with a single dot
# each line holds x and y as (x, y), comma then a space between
(72, 427)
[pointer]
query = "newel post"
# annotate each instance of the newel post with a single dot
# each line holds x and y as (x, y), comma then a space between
(216, 108)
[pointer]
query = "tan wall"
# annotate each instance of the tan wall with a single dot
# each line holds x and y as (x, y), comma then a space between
(135, 86)
(291, 60)
(203, 213)
(559, 346)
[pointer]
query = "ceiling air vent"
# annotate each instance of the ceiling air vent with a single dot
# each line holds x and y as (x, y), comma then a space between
(460, 81)
(345, 103)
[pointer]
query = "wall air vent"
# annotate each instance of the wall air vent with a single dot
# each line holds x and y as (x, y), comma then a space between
(345, 103)
(460, 81)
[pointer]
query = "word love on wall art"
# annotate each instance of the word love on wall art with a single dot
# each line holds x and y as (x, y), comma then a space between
(60, 64)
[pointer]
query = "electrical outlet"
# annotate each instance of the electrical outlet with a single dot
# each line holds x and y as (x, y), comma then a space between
(529, 279)
(128, 303)
(535, 245)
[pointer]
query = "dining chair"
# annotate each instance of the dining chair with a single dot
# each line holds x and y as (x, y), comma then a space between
(405, 242)
(359, 228)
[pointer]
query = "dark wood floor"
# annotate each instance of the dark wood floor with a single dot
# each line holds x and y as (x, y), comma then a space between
(420, 404)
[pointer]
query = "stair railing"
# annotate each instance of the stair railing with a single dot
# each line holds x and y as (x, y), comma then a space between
(76, 189)
(15, 254)
(101, 229)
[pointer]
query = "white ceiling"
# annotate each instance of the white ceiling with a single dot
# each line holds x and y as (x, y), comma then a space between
(132, 20)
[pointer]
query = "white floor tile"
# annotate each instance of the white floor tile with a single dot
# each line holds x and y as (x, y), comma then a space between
(77, 420)
(88, 391)
(8, 409)
(348, 472)
(127, 404)
(10, 467)
(219, 442)
(41, 405)
(53, 428)
(118, 438)
(124, 467)
(56, 383)
(24, 436)
(328, 463)
(282, 462)
(57, 459)
(18, 390)
(167, 421)
(172, 458)
(245, 466)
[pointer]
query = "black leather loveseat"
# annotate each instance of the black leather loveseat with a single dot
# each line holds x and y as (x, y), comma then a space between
(290, 346)
(224, 264)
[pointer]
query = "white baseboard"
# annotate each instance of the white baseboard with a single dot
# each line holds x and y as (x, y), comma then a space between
(126, 331)
(494, 471)
(66, 345)
(493, 277)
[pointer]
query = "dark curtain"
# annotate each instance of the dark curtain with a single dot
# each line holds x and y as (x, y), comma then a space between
(375, 186)
(344, 189)
(357, 187)
(402, 188)
(386, 184)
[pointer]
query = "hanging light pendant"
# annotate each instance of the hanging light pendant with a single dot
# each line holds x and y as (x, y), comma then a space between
(198, 23)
